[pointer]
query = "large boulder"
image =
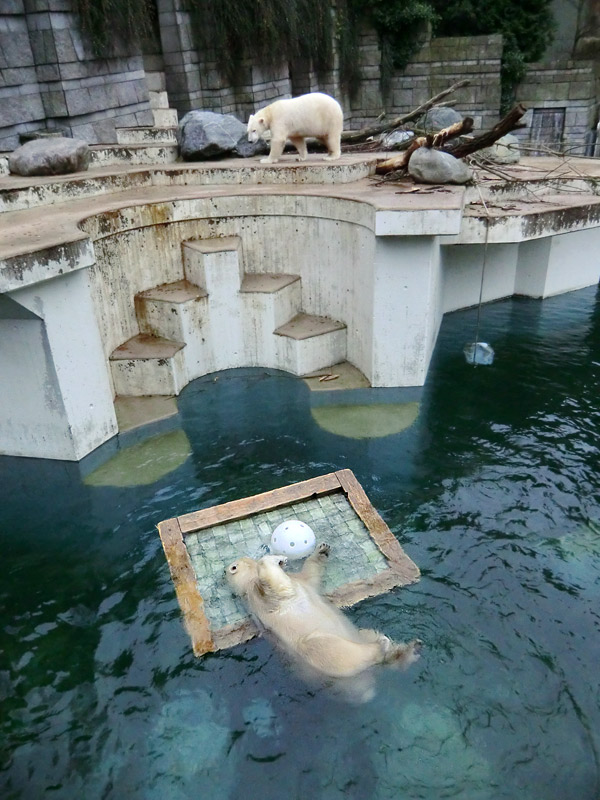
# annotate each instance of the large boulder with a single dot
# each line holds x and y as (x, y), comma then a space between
(49, 156)
(505, 150)
(204, 134)
(427, 165)
(438, 118)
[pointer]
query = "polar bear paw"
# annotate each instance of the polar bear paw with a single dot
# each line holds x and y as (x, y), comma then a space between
(323, 549)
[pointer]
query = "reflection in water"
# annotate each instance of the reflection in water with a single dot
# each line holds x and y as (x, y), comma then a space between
(143, 463)
(366, 421)
(494, 492)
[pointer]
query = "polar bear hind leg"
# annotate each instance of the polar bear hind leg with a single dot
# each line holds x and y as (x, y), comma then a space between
(332, 142)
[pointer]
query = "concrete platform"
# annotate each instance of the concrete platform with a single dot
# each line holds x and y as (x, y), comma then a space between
(327, 241)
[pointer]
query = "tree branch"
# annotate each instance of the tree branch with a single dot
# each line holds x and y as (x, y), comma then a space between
(510, 122)
(349, 137)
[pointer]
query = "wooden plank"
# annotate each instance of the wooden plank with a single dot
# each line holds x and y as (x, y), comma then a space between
(188, 595)
(380, 533)
(239, 509)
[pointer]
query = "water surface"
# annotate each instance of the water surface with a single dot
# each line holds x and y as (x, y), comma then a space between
(494, 491)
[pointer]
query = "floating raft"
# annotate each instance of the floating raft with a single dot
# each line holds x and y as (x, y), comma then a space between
(366, 558)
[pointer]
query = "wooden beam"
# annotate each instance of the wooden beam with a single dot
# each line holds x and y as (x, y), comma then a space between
(247, 506)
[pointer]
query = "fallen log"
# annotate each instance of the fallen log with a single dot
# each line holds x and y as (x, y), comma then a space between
(511, 122)
(349, 137)
(432, 140)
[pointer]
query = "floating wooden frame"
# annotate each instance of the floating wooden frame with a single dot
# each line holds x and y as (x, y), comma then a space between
(198, 547)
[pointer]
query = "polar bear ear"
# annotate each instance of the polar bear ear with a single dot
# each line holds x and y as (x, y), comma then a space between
(261, 120)
(250, 118)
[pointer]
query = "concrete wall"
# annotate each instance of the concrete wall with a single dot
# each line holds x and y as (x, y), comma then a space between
(330, 249)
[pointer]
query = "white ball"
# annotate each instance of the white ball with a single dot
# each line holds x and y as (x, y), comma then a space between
(293, 539)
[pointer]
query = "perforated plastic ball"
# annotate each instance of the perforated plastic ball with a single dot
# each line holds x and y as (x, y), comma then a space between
(293, 539)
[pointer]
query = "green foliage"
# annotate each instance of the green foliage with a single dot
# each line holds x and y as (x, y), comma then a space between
(401, 26)
(111, 25)
(527, 27)
(263, 31)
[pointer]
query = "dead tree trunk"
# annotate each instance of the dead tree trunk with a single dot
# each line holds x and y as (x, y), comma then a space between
(511, 122)
(432, 140)
(350, 137)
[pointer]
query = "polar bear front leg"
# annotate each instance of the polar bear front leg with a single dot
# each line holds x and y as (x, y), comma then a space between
(314, 566)
(277, 146)
(300, 144)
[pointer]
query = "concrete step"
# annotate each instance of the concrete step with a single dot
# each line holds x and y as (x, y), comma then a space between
(307, 343)
(179, 312)
(107, 155)
(156, 81)
(148, 365)
(268, 300)
(158, 99)
(165, 117)
(216, 264)
(146, 135)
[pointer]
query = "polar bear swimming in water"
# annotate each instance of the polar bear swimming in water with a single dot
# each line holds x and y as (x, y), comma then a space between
(315, 114)
(310, 629)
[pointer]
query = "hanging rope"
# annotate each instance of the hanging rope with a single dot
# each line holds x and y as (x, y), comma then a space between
(476, 357)
(485, 251)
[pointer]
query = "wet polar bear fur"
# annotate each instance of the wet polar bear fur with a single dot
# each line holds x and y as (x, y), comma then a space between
(310, 629)
(317, 115)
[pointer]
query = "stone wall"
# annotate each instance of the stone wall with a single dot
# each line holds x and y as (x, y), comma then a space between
(50, 78)
(568, 85)
(439, 63)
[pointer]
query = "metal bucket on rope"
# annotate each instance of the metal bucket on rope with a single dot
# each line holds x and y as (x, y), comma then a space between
(480, 352)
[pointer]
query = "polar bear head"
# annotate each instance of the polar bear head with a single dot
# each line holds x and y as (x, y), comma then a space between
(241, 574)
(257, 125)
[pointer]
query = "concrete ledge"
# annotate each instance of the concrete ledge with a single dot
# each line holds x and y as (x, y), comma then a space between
(306, 326)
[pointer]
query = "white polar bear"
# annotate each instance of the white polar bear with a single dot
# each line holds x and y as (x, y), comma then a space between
(310, 629)
(316, 114)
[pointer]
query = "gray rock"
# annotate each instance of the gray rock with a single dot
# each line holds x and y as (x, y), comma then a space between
(390, 140)
(204, 134)
(437, 118)
(427, 165)
(504, 151)
(49, 156)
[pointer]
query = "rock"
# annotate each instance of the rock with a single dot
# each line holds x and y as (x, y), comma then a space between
(389, 140)
(49, 156)
(437, 118)
(427, 165)
(504, 151)
(204, 134)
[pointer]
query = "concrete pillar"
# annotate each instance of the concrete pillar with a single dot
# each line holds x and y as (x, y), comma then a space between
(57, 401)
(463, 267)
(407, 308)
(181, 59)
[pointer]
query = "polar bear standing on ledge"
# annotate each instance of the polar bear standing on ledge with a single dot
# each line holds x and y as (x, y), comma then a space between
(316, 114)
(310, 629)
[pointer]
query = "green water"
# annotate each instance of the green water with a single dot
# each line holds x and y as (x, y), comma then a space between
(494, 491)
